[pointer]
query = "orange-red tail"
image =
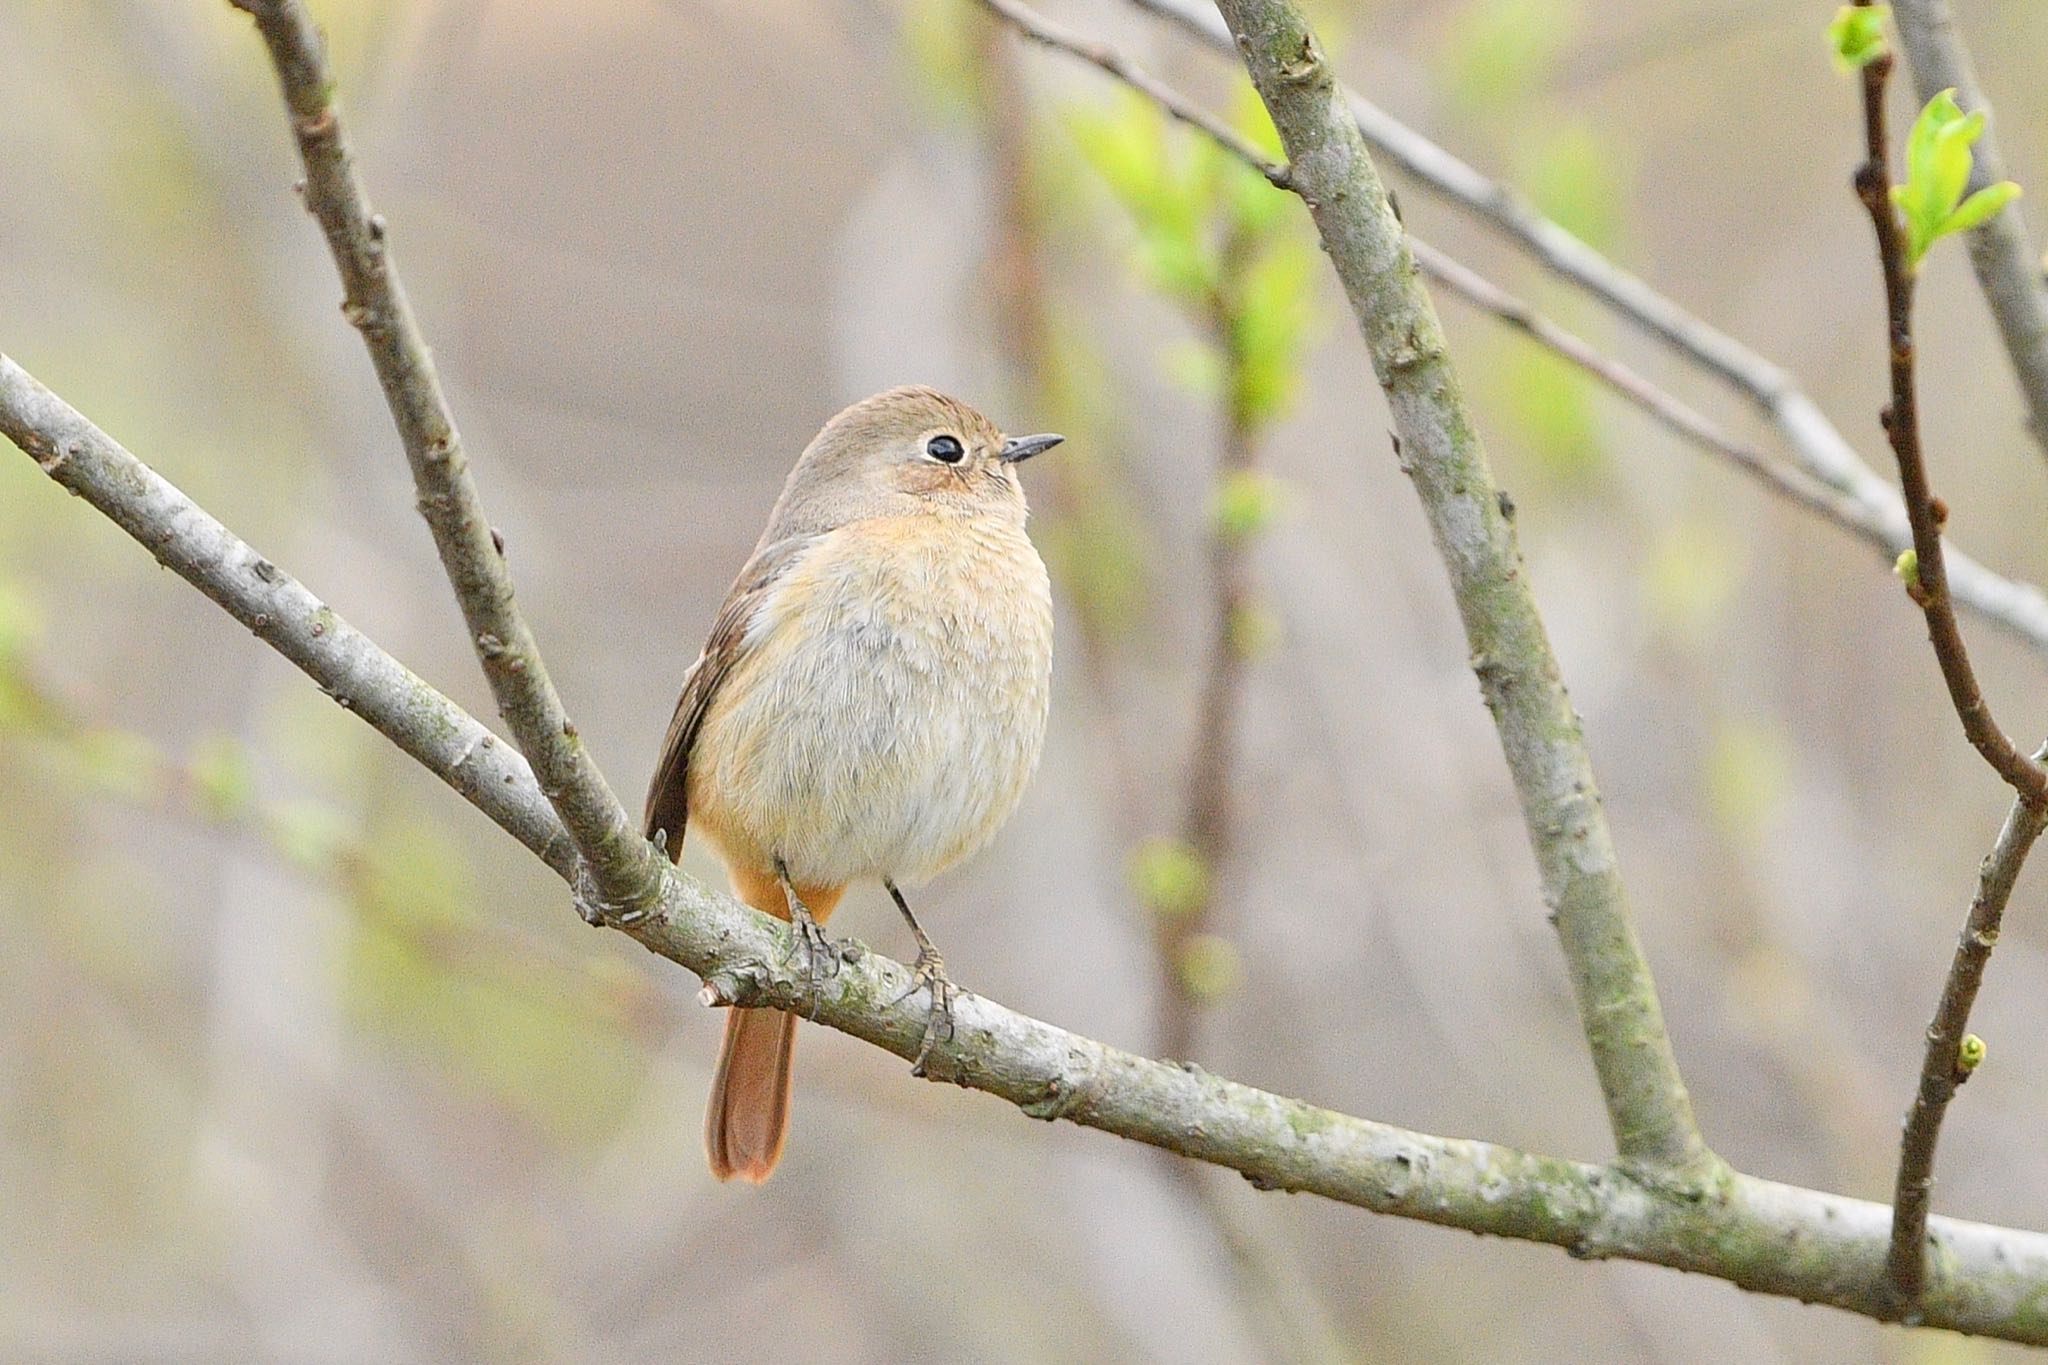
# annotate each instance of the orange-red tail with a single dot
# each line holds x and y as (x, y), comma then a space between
(748, 1117)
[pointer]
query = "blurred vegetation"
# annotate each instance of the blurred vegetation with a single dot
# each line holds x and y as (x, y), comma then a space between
(557, 1037)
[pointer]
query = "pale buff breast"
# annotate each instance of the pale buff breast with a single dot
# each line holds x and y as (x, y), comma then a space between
(891, 707)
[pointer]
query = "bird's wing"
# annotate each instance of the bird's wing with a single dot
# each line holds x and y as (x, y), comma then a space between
(668, 797)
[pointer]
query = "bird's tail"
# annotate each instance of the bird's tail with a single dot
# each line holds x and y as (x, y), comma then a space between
(747, 1120)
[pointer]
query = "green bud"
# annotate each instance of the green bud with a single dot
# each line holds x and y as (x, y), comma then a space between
(1856, 34)
(1908, 568)
(1970, 1053)
(1169, 877)
(1211, 968)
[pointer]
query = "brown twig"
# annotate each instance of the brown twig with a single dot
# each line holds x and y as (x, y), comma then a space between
(1039, 29)
(1942, 1067)
(624, 870)
(1902, 427)
(1214, 750)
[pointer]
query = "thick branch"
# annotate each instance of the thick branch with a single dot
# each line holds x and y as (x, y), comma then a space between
(625, 870)
(1820, 449)
(1469, 517)
(1766, 1237)
(2008, 269)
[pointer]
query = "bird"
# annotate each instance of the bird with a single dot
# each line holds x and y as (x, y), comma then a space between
(870, 705)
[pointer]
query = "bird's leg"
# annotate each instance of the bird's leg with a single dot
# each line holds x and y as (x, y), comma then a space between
(815, 956)
(927, 973)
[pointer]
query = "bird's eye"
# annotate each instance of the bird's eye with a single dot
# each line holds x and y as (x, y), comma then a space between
(945, 449)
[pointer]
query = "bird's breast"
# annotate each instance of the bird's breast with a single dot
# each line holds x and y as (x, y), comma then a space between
(891, 705)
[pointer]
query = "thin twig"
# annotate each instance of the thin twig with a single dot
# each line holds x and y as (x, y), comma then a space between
(1944, 1066)
(1902, 427)
(1988, 1280)
(1438, 446)
(1214, 751)
(624, 869)
(2008, 269)
(1042, 30)
(1816, 445)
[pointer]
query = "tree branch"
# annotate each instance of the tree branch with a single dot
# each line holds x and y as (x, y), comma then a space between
(1928, 580)
(1760, 1235)
(1470, 519)
(625, 871)
(359, 676)
(1818, 448)
(2008, 269)
(1945, 1066)
(1865, 507)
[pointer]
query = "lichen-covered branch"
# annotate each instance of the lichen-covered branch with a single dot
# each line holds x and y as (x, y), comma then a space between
(1471, 521)
(1762, 1236)
(624, 871)
(2008, 268)
(1814, 442)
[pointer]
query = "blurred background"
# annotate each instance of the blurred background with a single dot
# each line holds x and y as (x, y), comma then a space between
(302, 1060)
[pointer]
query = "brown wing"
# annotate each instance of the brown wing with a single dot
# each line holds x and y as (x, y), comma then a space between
(668, 797)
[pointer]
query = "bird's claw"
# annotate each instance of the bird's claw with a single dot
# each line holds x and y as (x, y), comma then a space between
(815, 957)
(929, 973)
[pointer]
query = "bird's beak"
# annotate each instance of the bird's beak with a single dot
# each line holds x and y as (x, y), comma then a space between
(1017, 449)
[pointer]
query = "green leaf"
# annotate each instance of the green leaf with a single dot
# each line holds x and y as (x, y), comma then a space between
(1857, 35)
(1938, 163)
(1981, 207)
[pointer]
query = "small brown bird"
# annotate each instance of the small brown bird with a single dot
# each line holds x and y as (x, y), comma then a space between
(870, 704)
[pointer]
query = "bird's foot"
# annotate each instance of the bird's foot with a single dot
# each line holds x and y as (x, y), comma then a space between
(929, 973)
(815, 956)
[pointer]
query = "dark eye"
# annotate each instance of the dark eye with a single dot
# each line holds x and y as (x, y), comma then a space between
(944, 449)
